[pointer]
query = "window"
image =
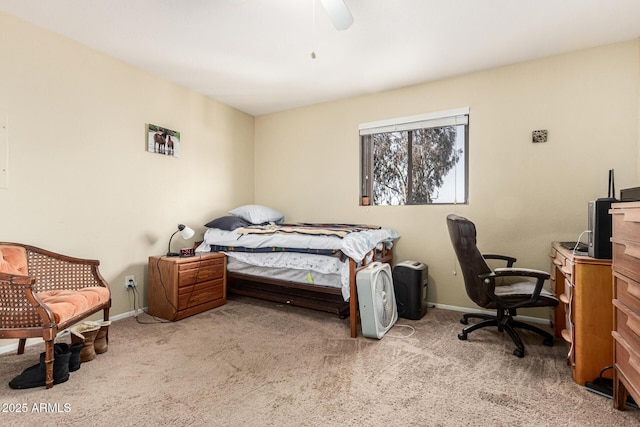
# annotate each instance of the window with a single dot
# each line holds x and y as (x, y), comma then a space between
(417, 160)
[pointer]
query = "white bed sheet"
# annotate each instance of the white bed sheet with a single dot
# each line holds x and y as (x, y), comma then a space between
(288, 274)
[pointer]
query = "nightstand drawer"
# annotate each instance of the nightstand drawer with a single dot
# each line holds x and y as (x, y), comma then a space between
(200, 271)
(202, 292)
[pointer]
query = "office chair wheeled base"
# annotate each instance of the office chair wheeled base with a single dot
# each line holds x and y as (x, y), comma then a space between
(504, 321)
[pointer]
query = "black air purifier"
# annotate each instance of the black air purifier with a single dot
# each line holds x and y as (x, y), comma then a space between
(410, 280)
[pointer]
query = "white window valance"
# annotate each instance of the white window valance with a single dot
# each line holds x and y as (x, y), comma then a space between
(458, 116)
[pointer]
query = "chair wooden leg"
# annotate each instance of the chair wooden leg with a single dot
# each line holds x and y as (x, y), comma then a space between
(105, 317)
(21, 345)
(49, 358)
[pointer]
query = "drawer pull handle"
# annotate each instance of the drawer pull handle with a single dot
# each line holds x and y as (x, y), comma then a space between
(633, 290)
(633, 323)
(631, 215)
(634, 362)
(632, 251)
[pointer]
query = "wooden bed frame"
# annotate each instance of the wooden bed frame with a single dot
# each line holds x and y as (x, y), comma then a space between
(322, 298)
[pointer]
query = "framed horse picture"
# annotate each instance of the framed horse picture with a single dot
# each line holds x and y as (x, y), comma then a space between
(163, 141)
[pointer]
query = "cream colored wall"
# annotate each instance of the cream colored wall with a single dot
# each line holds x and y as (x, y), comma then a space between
(80, 179)
(522, 195)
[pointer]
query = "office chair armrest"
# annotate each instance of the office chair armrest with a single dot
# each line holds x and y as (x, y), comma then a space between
(521, 272)
(510, 260)
(489, 281)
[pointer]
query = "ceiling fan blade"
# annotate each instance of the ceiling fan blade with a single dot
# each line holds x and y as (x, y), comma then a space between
(338, 13)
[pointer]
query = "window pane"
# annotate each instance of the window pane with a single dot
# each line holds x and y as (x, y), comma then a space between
(390, 168)
(438, 165)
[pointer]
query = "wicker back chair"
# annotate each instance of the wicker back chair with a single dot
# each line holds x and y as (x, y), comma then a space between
(27, 308)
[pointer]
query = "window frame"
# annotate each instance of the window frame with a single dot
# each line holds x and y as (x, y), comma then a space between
(453, 117)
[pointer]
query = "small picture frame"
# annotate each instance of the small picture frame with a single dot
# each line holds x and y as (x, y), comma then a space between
(163, 141)
(539, 136)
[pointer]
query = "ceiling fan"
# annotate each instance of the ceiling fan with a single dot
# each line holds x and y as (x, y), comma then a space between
(338, 13)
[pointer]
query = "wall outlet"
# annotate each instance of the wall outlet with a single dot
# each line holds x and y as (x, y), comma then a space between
(130, 282)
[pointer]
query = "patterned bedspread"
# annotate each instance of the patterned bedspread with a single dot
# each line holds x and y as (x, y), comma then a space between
(339, 230)
(270, 249)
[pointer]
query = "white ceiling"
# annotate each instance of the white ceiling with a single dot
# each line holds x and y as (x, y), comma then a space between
(255, 55)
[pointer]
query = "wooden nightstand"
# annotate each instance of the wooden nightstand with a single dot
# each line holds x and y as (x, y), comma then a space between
(182, 287)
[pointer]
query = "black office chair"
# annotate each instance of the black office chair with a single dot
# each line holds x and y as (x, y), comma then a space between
(480, 283)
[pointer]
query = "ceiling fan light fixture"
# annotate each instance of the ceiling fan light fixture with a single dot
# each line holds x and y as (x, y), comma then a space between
(338, 13)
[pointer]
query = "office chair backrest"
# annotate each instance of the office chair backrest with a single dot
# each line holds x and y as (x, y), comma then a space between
(463, 237)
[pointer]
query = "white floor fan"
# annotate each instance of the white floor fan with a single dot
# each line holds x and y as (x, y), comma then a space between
(376, 298)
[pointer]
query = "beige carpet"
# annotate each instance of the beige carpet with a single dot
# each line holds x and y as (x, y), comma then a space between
(254, 363)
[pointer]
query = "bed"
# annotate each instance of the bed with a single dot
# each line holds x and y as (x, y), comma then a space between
(305, 264)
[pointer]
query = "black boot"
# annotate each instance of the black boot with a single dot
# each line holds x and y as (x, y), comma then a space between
(74, 360)
(36, 375)
(59, 348)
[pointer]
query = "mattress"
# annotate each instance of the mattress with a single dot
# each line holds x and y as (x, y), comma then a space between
(287, 274)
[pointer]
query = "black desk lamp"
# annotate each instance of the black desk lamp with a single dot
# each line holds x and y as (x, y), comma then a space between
(185, 232)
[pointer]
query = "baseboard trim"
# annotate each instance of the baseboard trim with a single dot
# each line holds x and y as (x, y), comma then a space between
(12, 348)
(529, 319)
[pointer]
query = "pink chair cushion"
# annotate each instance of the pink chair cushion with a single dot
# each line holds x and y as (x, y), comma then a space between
(65, 304)
(13, 260)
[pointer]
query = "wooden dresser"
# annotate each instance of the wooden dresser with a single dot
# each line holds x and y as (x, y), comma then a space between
(182, 287)
(626, 301)
(584, 317)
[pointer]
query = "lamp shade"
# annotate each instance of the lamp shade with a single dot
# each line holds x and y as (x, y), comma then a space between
(185, 232)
